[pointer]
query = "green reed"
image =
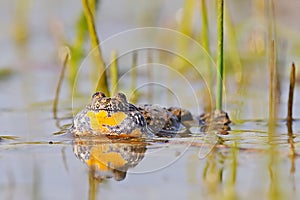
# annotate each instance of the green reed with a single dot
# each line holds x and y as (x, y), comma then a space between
(274, 171)
(273, 192)
(233, 55)
(185, 27)
(220, 65)
(187, 16)
(150, 92)
(273, 93)
(102, 84)
(205, 43)
(133, 85)
(21, 27)
(114, 72)
(77, 46)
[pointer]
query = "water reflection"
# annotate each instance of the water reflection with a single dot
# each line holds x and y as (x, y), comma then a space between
(213, 171)
(291, 138)
(220, 173)
(108, 158)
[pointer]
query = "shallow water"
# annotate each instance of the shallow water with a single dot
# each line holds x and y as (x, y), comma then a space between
(38, 160)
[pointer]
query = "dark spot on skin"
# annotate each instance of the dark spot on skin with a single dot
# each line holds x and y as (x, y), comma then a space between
(50, 142)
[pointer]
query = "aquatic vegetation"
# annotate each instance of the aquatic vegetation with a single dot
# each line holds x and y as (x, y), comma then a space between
(97, 54)
(204, 41)
(114, 73)
(291, 94)
(133, 85)
(220, 65)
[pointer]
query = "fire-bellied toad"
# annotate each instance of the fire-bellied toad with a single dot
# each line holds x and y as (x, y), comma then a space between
(115, 116)
(109, 116)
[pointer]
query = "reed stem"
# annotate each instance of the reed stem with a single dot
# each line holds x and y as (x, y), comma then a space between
(290, 117)
(273, 88)
(219, 96)
(134, 77)
(114, 72)
(77, 48)
(291, 94)
(133, 71)
(205, 43)
(102, 84)
(150, 92)
(204, 36)
(187, 16)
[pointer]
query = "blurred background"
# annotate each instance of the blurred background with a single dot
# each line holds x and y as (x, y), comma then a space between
(33, 38)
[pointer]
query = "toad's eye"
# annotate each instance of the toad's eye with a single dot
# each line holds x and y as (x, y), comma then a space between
(98, 95)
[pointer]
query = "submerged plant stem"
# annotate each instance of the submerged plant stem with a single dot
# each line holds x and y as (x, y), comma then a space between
(102, 84)
(220, 4)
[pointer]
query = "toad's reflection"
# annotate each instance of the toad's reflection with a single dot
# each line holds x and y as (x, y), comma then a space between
(109, 158)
